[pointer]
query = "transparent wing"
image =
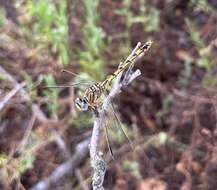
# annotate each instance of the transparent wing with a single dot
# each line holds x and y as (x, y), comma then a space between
(105, 127)
(69, 72)
(80, 77)
(82, 81)
(119, 125)
(79, 80)
(67, 85)
(114, 120)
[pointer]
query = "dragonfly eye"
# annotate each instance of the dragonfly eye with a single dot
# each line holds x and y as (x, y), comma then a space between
(81, 104)
(84, 101)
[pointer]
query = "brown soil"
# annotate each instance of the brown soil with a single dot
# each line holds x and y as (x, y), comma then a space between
(157, 102)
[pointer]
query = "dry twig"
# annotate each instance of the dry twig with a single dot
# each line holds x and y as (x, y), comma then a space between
(25, 96)
(97, 162)
(80, 153)
(10, 95)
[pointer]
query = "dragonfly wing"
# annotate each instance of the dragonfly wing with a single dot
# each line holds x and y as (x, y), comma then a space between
(81, 77)
(84, 82)
(67, 86)
(120, 125)
(108, 140)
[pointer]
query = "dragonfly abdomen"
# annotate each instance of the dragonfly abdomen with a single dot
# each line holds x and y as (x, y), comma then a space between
(94, 92)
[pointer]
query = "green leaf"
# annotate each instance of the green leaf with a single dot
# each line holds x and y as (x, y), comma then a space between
(203, 63)
(51, 93)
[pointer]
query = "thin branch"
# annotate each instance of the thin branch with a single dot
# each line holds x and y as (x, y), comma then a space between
(81, 180)
(65, 168)
(24, 95)
(10, 95)
(97, 162)
(61, 144)
(22, 144)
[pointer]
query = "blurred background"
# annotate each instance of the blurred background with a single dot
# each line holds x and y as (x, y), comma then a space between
(169, 112)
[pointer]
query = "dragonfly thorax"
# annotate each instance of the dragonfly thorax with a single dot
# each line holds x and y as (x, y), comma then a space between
(81, 103)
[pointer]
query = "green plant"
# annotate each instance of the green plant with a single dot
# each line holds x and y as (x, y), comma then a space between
(126, 12)
(12, 168)
(201, 5)
(149, 16)
(91, 58)
(186, 72)
(205, 59)
(51, 93)
(2, 16)
(133, 167)
(83, 121)
(166, 104)
(116, 132)
(163, 138)
(2, 78)
(30, 86)
(49, 26)
(194, 35)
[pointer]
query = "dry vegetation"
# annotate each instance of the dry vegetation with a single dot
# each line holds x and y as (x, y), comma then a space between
(170, 111)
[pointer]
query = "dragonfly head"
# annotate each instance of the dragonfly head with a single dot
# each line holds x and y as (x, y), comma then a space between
(81, 104)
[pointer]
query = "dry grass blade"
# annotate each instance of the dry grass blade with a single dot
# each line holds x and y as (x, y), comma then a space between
(10, 95)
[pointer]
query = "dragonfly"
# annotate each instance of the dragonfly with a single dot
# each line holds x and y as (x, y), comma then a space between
(90, 99)
(95, 91)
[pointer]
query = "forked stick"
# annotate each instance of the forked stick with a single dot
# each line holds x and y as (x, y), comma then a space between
(97, 162)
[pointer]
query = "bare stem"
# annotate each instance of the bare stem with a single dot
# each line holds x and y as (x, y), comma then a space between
(97, 162)
(65, 168)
